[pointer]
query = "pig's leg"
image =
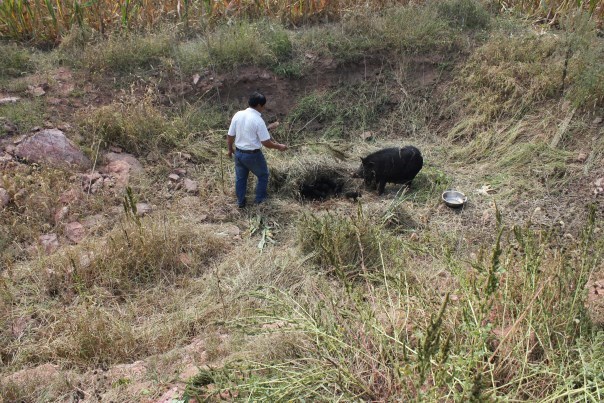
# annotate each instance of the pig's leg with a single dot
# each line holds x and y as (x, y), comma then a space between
(381, 186)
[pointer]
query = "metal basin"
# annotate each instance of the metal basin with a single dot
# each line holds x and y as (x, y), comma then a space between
(453, 198)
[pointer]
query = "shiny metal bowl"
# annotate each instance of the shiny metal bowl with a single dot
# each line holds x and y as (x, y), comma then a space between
(453, 198)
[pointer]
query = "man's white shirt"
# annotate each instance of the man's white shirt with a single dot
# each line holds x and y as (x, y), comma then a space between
(249, 129)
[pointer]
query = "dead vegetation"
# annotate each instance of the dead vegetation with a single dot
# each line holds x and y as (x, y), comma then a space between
(381, 298)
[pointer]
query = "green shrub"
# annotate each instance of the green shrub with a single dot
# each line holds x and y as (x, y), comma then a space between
(342, 245)
(417, 29)
(585, 52)
(466, 14)
(127, 53)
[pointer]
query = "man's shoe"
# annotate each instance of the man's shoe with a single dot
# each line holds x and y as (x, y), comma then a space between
(242, 205)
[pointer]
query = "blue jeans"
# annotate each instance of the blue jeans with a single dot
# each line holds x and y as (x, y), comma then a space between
(244, 163)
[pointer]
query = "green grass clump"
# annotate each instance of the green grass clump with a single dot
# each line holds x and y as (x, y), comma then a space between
(584, 55)
(345, 246)
(127, 53)
(25, 114)
(14, 61)
(339, 113)
(243, 43)
(418, 29)
(465, 14)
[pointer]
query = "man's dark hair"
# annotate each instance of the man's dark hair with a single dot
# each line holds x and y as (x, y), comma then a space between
(257, 99)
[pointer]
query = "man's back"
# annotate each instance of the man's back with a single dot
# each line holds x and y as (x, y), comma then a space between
(249, 129)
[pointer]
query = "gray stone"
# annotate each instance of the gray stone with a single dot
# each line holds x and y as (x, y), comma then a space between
(53, 148)
(143, 209)
(191, 186)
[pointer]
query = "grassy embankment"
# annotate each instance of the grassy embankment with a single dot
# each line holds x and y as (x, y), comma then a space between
(394, 298)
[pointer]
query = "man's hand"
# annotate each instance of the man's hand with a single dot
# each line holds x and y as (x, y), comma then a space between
(282, 147)
(230, 153)
(273, 125)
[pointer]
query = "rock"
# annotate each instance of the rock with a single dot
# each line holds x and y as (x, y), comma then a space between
(52, 147)
(120, 166)
(75, 232)
(37, 91)
(49, 242)
(94, 222)
(180, 171)
(196, 78)
(60, 214)
(9, 100)
(120, 172)
(367, 136)
(115, 149)
(143, 209)
(4, 198)
(413, 236)
(191, 186)
(174, 177)
(582, 157)
(597, 120)
(44, 375)
(5, 158)
(128, 158)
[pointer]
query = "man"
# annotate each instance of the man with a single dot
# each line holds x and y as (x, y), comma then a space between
(247, 134)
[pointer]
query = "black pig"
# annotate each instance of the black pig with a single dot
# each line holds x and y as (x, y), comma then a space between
(393, 165)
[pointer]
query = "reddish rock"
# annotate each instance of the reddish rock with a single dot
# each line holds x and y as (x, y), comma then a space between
(174, 177)
(49, 242)
(75, 232)
(115, 149)
(119, 171)
(4, 198)
(53, 148)
(582, 157)
(120, 166)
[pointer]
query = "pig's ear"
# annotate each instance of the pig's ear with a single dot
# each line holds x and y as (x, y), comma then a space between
(362, 160)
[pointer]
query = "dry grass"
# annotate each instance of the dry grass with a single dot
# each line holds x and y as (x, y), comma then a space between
(395, 297)
(133, 256)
